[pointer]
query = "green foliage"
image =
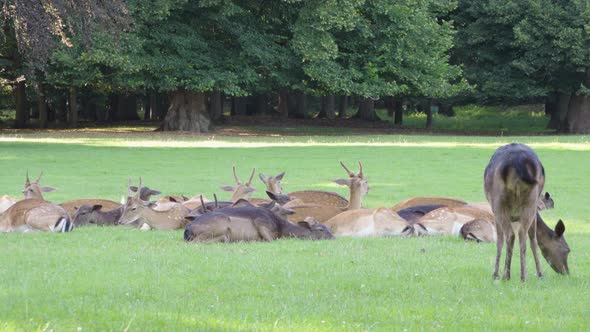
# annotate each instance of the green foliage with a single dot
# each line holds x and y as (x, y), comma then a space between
(118, 278)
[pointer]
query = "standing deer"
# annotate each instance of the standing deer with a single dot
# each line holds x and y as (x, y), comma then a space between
(513, 181)
(135, 208)
(241, 190)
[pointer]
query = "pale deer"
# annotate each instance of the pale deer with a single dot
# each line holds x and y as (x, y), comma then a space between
(240, 190)
(136, 209)
(273, 183)
(250, 224)
(30, 215)
(369, 222)
(34, 190)
(513, 181)
(427, 200)
(358, 187)
(449, 220)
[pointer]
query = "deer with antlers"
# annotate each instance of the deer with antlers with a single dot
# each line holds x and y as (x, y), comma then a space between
(173, 217)
(240, 190)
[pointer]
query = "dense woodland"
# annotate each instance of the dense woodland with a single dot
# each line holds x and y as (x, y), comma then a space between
(184, 62)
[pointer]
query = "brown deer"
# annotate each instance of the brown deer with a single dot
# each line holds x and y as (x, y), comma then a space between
(513, 181)
(6, 201)
(241, 190)
(34, 190)
(136, 208)
(427, 200)
(369, 222)
(29, 215)
(73, 205)
(249, 223)
(450, 220)
(273, 183)
(358, 186)
(93, 214)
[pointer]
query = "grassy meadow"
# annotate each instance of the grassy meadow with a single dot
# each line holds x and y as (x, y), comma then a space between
(124, 279)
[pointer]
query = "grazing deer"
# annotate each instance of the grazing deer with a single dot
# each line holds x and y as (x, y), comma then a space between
(358, 185)
(250, 224)
(369, 222)
(29, 215)
(93, 214)
(513, 181)
(33, 190)
(427, 200)
(136, 208)
(241, 190)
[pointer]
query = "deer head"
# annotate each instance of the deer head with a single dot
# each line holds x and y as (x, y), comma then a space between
(134, 205)
(145, 193)
(358, 186)
(273, 183)
(34, 190)
(241, 190)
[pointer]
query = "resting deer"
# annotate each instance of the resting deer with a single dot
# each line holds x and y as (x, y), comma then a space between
(273, 183)
(93, 214)
(241, 190)
(358, 185)
(427, 200)
(449, 220)
(34, 190)
(136, 208)
(35, 215)
(369, 222)
(250, 224)
(6, 201)
(73, 205)
(513, 180)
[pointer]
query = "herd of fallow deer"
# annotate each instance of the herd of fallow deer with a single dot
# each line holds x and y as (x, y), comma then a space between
(512, 186)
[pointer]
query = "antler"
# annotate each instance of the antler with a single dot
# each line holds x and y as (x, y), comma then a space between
(216, 204)
(235, 175)
(27, 182)
(39, 178)
(129, 187)
(360, 175)
(251, 176)
(202, 205)
(351, 174)
(138, 188)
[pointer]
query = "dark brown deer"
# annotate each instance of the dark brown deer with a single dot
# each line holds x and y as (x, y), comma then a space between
(249, 223)
(513, 181)
(93, 214)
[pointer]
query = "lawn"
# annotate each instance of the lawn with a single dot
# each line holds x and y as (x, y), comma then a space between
(124, 279)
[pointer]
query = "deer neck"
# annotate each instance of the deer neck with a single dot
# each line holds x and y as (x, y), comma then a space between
(166, 220)
(291, 230)
(355, 200)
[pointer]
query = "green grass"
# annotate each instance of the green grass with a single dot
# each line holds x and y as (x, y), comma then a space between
(118, 278)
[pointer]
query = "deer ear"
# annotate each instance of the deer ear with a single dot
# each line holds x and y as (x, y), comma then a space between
(250, 190)
(242, 203)
(190, 218)
(560, 228)
(47, 189)
(172, 199)
(547, 195)
(342, 182)
(154, 192)
(227, 188)
(304, 223)
(271, 195)
(133, 188)
(96, 207)
(280, 176)
(262, 178)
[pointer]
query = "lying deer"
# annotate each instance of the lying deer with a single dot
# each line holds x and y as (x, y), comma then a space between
(427, 200)
(240, 190)
(135, 208)
(273, 183)
(369, 222)
(513, 181)
(34, 190)
(93, 214)
(35, 215)
(250, 224)
(358, 186)
(6, 201)
(449, 220)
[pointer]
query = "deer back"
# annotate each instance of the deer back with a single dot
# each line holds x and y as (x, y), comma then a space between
(35, 215)
(6, 202)
(319, 197)
(427, 200)
(73, 205)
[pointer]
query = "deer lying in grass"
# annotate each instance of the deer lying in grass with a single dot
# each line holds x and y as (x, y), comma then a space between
(93, 214)
(427, 200)
(369, 222)
(240, 190)
(73, 205)
(449, 220)
(135, 208)
(250, 224)
(483, 230)
(513, 181)
(358, 185)
(33, 190)
(29, 215)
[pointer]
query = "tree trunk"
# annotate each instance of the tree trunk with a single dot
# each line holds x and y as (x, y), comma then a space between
(127, 108)
(187, 112)
(283, 106)
(578, 115)
(300, 105)
(21, 118)
(42, 106)
(429, 118)
(238, 106)
(61, 111)
(153, 105)
(343, 106)
(328, 107)
(367, 109)
(216, 106)
(73, 107)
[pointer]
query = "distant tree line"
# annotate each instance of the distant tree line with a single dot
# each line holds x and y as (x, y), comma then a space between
(180, 61)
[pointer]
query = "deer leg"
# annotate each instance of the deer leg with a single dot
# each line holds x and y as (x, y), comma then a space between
(499, 245)
(534, 247)
(522, 237)
(509, 235)
(265, 229)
